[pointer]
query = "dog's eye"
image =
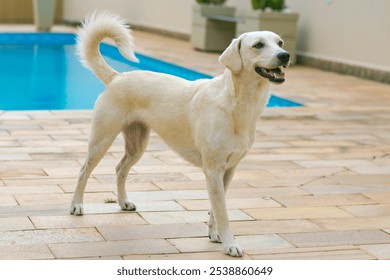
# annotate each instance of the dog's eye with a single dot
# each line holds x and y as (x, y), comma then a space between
(280, 43)
(258, 45)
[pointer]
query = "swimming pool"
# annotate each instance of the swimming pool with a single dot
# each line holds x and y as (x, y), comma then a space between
(40, 71)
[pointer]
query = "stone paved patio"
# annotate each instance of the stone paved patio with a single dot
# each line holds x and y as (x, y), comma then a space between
(316, 184)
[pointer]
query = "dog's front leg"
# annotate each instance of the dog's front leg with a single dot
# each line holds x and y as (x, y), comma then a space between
(215, 183)
(213, 231)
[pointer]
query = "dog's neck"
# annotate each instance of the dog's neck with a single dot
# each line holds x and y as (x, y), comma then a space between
(251, 96)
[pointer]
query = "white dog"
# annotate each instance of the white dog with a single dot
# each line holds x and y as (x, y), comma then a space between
(209, 122)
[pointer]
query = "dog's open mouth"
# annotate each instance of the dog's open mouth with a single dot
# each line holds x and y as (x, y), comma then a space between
(275, 75)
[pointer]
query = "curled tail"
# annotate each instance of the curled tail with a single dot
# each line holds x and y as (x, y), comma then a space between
(96, 27)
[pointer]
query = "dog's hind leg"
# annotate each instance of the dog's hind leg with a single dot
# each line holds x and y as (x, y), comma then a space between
(103, 133)
(136, 139)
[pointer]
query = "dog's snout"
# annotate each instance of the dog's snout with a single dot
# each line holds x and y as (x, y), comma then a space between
(284, 57)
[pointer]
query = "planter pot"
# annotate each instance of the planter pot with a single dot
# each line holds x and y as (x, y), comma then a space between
(44, 12)
(208, 33)
(284, 24)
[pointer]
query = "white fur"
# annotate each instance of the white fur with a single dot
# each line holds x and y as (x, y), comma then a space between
(210, 123)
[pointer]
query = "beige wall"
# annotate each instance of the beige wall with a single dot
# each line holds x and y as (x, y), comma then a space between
(355, 32)
(171, 15)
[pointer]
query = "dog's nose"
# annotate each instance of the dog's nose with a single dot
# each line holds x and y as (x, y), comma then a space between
(283, 57)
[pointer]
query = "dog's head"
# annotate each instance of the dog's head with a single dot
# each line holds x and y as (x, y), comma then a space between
(259, 53)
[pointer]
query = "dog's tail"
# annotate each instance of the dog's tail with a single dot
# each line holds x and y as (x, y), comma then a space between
(96, 27)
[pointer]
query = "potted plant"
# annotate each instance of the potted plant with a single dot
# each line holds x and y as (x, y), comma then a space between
(215, 2)
(210, 32)
(276, 5)
(271, 15)
(44, 12)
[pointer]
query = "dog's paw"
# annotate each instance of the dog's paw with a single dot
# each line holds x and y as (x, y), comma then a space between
(233, 250)
(214, 237)
(127, 205)
(77, 209)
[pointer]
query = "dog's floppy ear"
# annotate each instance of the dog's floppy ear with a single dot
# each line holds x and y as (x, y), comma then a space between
(231, 57)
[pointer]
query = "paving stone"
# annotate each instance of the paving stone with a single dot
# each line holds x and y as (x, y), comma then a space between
(265, 192)
(345, 189)
(299, 250)
(142, 206)
(196, 185)
(245, 175)
(250, 242)
(14, 116)
(258, 165)
(25, 252)
(354, 254)
(112, 248)
(109, 187)
(335, 238)
(85, 221)
(334, 163)
(282, 182)
(262, 242)
(232, 203)
(323, 200)
(164, 168)
(379, 251)
(190, 185)
(28, 237)
(362, 179)
(186, 256)
(380, 197)
(355, 223)
(168, 195)
(38, 210)
(42, 181)
(283, 213)
(162, 231)
(310, 143)
(188, 217)
(143, 178)
(18, 190)
(344, 137)
(15, 223)
(53, 199)
(14, 157)
(315, 172)
(194, 176)
(19, 172)
(30, 150)
(272, 226)
(280, 157)
(8, 200)
(368, 210)
(196, 244)
(371, 170)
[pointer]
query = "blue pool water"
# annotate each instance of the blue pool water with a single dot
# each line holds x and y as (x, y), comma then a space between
(40, 71)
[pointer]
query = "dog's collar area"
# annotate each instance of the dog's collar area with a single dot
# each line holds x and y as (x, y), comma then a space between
(275, 75)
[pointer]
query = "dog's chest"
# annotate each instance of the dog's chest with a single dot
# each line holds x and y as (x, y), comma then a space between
(234, 158)
(238, 150)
